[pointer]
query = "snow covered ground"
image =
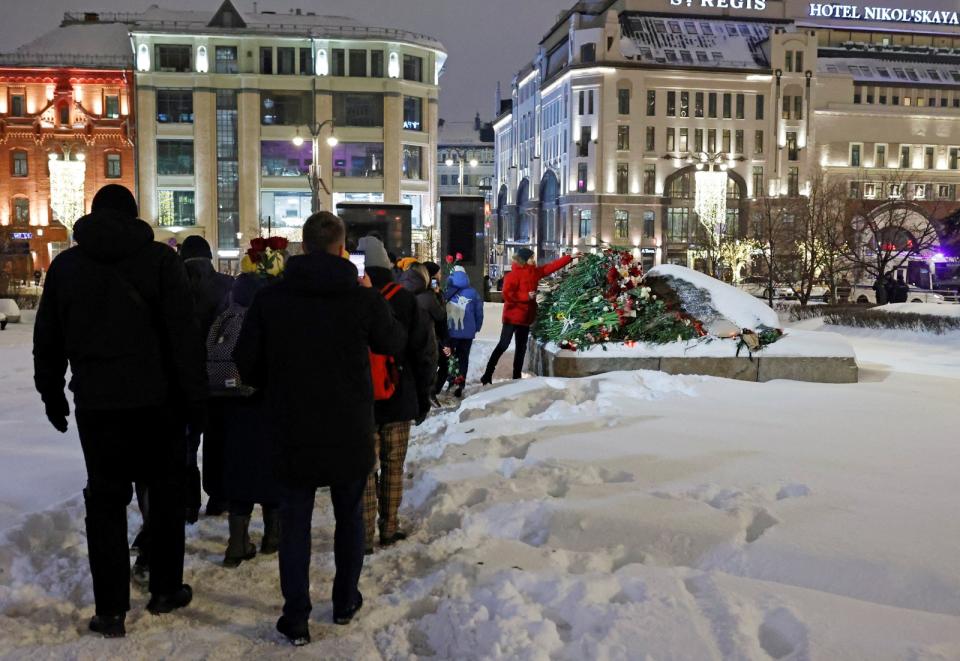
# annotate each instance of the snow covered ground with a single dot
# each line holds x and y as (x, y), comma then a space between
(937, 309)
(630, 515)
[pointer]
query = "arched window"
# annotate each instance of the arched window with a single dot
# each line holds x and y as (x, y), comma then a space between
(63, 114)
(21, 211)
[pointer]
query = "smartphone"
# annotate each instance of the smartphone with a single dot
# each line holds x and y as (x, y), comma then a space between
(359, 259)
(434, 284)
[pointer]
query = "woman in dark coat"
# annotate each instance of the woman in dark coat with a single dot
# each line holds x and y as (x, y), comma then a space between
(248, 449)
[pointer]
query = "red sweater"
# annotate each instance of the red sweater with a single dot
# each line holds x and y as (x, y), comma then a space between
(518, 308)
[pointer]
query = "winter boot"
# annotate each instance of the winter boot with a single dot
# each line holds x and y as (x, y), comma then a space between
(239, 548)
(487, 377)
(271, 531)
(160, 604)
(216, 506)
(109, 626)
(298, 633)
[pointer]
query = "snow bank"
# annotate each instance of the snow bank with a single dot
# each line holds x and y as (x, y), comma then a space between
(744, 310)
(936, 309)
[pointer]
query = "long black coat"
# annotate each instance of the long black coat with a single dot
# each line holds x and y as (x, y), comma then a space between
(305, 342)
(417, 370)
(209, 289)
(117, 306)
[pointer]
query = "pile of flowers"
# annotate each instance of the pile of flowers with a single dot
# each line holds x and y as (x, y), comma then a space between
(603, 299)
(265, 257)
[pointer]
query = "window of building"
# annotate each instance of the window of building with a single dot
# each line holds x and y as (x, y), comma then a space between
(793, 149)
(758, 181)
(649, 224)
(376, 64)
(855, 152)
(228, 169)
(698, 140)
(306, 61)
(727, 105)
(21, 211)
(857, 95)
(175, 157)
(726, 141)
(63, 114)
(698, 104)
(225, 59)
(111, 105)
(681, 186)
(798, 61)
(684, 142)
(712, 105)
(684, 104)
(650, 144)
(788, 60)
(905, 159)
(444, 180)
(286, 61)
(413, 68)
(651, 103)
(284, 108)
(412, 113)
(854, 190)
(19, 163)
(787, 106)
(623, 101)
(623, 138)
(172, 57)
(650, 180)
(282, 158)
(953, 160)
(411, 162)
(946, 191)
(358, 63)
(581, 99)
(869, 191)
(621, 224)
(113, 166)
(590, 102)
(586, 223)
(880, 156)
(338, 62)
(286, 210)
(758, 142)
(738, 141)
(712, 140)
(671, 104)
(175, 208)
(581, 177)
(18, 105)
(793, 181)
(175, 106)
(266, 60)
(678, 224)
(583, 147)
(623, 178)
(671, 139)
(741, 103)
(798, 107)
(588, 52)
(928, 158)
(358, 159)
(759, 107)
(358, 109)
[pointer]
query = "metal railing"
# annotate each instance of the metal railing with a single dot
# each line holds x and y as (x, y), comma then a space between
(66, 59)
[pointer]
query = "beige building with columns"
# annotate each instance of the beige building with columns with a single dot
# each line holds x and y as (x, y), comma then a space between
(624, 99)
(227, 103)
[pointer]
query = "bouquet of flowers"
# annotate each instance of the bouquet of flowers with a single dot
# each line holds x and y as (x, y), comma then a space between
(265, 257)
(451, 262)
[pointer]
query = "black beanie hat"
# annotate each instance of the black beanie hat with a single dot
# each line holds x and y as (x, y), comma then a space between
(524, 254)
(117, 198)
(432, 268)
(194, 247)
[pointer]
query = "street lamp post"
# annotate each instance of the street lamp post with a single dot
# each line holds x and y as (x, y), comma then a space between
(461, 156)
(313, 172)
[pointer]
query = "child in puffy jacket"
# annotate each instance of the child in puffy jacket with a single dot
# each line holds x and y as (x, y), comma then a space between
(464, 320)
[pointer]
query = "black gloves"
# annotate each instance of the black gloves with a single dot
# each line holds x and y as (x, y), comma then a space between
(57, 411)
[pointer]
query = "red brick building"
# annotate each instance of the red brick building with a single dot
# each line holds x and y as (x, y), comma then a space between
(66, 124)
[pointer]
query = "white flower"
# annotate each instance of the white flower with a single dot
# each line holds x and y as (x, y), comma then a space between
(596, 299)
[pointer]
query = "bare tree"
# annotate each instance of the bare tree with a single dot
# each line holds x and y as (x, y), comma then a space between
(771, 233)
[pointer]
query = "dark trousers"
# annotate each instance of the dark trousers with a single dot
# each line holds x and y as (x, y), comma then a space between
(443, 369)
(245, 507)
(296, 515)
(509, 332)
(461, 349)
(120, 447)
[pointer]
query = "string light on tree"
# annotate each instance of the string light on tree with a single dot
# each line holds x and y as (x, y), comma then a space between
(67, 187)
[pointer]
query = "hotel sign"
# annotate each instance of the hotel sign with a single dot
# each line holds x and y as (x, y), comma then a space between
(756, 5)
(883, 14)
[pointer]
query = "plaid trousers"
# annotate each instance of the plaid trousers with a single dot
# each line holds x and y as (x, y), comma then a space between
(385, 491)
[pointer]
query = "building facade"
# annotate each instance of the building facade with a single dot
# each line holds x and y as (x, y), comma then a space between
(627, 100)
(66, 129)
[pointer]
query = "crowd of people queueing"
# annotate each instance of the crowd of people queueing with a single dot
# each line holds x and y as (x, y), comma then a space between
(298, 374)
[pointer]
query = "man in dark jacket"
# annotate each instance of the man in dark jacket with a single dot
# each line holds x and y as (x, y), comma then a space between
(306, 341)
(117, 308)
(210, 290)
(416, 362)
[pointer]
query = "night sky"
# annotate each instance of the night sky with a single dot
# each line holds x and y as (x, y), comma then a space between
(487, 40)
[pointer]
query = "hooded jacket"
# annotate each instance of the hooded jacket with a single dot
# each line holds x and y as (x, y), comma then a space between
(209, 289)
(518, 308)
(464, 307)
(305, 342)
(117, 308)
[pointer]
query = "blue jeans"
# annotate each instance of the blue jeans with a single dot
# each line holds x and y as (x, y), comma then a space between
(296, 515)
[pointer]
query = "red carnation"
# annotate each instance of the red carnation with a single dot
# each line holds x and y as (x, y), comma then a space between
(613, 276)
(626, 258)
(277, 243)
(459, 256)
(449, 259)
(259, 244)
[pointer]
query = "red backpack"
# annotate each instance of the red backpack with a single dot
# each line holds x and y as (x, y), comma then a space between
(383, 369)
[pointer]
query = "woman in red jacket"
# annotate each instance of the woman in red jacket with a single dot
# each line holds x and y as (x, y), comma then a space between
(520, 307)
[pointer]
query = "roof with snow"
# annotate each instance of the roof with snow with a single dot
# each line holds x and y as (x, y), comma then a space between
(680, 41)
(94, 45)
(459, 134)
(226, 18)
(893, 66)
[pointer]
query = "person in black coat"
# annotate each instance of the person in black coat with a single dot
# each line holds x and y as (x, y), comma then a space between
(117, 309)
(411, 402)
(305, 342)
(210, 290)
